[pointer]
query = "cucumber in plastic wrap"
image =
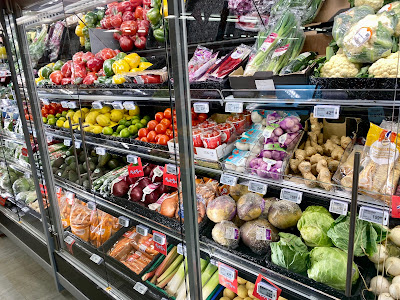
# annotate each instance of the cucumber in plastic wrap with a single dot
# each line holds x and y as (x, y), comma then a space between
(299, 63)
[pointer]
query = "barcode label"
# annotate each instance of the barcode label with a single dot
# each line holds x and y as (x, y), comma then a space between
(266, 290)
(291, 195)
(69, 240)
(227, 272)
(45, 101)
(123, 221)
(326, 111)
(117, 105)
(228, 179)
(374, 215)
(140, 288)
(100, 151)
(129, 105)
(96, 259)
(64, 104)
(201, 108)
(77, 144)
(257, 187)
(133, 159)
(234, 107)
(263, 234)
(159, 238)
(143, 230)
(338, 207)
(67, 143)
(72, 105)
(231, 233)
(97, 105)
(172, 169)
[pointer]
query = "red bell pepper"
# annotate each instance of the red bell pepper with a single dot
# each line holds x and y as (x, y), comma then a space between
(66, 69)
(90, 78)
(56, 77)
(124, 6)
(129, 28)
(87, 56)
(117, 35)
(116, 20)
(146, 4)
(77, 58)
(95, 64)
(106, 22)
(151, 78)
(140, 42)
(143, 28)
(107, 53)
(136, 3)
(65, 81)
(139, 13)
(101, 73)
(78, 73)
(128, 16)
(126, 43)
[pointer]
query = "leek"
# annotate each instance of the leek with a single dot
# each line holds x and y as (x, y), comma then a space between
(171, 268)
(167, 279)
(173, 285)
(207, 274)
(210, 285)
(182, 290)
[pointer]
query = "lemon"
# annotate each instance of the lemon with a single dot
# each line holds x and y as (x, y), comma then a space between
(91, 117)
(87, 127)
(116, 115)
(85, 109)
(135, 111)
(79, 114)
(108, 115)
(103, 120)
(105, 109)
(66, 124)
(70, 114)
(60, 123)
(97, 129)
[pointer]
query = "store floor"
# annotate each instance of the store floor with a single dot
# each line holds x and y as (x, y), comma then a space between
(21, 278)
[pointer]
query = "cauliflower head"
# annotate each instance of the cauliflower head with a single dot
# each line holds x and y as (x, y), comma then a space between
(392, 9)
(370, 38)
(339, 66)
(385, 67)
(375, 4)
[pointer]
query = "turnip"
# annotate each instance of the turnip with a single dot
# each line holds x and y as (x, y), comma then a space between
(256, 149)
(392, 266)
(380, 255)
(385, 296)
(276, 155)
(394, 290)
(380, 267)
(256, 117)
(379, 285)
(396, 279)
(394, 235)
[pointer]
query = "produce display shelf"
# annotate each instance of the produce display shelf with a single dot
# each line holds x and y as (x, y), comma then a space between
(13, 137)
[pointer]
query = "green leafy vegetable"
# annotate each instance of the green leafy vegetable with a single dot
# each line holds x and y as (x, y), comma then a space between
(290, 253)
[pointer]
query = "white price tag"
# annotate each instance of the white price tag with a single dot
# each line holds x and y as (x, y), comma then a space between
(2, 164)
(374, 215)
(77, 144)
(91, 205)
(27, 175)
(142, 230)
(213, 262)
(133, 159)
(159, 238)
(69, 240)
(227, 272)
(291, 195)
(338, 207)
(72, 105)
(201, 108)
(100, 151)
(228, 179)
(140, 288)
(123, 221)
(49, 138)
(45, 101)
(263, 234)
(69, 195)
(172, 169)
(267, 290)
(64, 104)
(265, 85)
(117, 105)
(327, 111)
(257, 187)
(25, 209)
(231, 233)
(97, 105)
(96, 259)
(129, 105)
(181, 249)
(67, 143)
(234, 107)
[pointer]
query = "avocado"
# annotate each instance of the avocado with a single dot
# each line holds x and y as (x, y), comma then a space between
(113, 163)
(73, 166)
(103, 159)
(82, 157)
(72, 176)
(58, 162)
(64, 174)
(93, 153)
(69, 160)
(86, 184)
(63, 166)
(81, 168)
(93, 159)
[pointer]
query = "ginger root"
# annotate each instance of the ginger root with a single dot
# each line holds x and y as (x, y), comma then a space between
(300, 155)
(345, 141)
(335, 139)
(310, 150)
(305, 169)
(328, 147)
(321, 139)
(337, 152)
(324, 175)
(332, 164)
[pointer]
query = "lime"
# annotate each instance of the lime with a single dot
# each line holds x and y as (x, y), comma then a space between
(135, 121)
(122, 122)
(119, 128)
(136, 118)
(50, 116)
(147, 118)
(64, 113)
(144, 122)
(139, 125)
(125, 133)
(58, 115)
(128, 123)
(115, 134)
(108, 131)
(44, 119)
(133, 129)
(52, 121)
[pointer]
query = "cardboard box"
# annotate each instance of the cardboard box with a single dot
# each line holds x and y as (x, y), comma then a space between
(329, 9)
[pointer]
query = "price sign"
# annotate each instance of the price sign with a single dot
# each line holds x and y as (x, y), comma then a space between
(257, 187)
(72, 105)
(395, 206)
(181, 249)
(2, 164)
(265, 85)
(77, 144)
(326, 111)
(129, 105)
(136, 170)
(140, 288)
(171, 175)
(100, 151)
(49, 138)
(67, 143)
(160, 242)
(45, 101)
(96, 259)
(97, 105)
(91, 205)
(172, 169)
(265, 289)
(201, 108)
(25, 209)
(338, 207)
(117, 105)
(291, 195)
(133, 159)
(228, 277)
(27, 175)
(69, 240)
(228, 179)
(142, 230)
(123, 221)
(64, 104)
(234, 107)
(374, 215)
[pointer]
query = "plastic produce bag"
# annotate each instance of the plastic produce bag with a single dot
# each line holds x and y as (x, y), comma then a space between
(54, 42)
(305, 10)
(392, 9)
(101, 227)
(201, 56)
(22, 184)
(37, 48)
(227, 234)
(258, 234)
(370, 38)
(345, 20)
(80, 221)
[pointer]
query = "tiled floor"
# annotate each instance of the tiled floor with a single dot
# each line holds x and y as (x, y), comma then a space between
(23, 279)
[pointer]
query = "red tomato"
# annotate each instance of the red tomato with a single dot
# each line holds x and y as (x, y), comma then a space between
(140, 42)
(170, 133)
(161, 128)
(174, 120)
(151, 136)
(152, 124)
(52, 111)
(195, 122)
(106, 23)
(167, 113)
(170, 126)
(163, 140)
(144, 139)
(166, 122)
(202, 117)
(159, 116)
(194, 115)
(157, 137)
(44, 112)
(174, 112)
(143, 132)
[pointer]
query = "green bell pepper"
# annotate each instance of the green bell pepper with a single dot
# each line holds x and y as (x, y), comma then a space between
(156, 4)
(159, 35)
(58, 65)
(100, 15)
(88, 47)
(107, 67)
(108, 80)
(46, 71)
(91, 19)
(85, 31)
(44, 82)
(101, 79)
(120, 55)
(143, 59)
(154, 16)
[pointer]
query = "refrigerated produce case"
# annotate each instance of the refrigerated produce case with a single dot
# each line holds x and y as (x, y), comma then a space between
(205, 150)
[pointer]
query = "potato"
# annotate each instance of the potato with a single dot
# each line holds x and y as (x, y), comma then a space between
(242, 291)
(392, 266)
(249, 285)
(228, 293)
(250, 293)
(240, 280)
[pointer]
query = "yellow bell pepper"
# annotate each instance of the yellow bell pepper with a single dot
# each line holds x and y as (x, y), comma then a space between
(51, 65)
(118, 79)
(82, 40)
(134, 70)
(78, 30)
(37, 80)
(133, 60)
(145, 65)
(120, 66)
(81, 21)
(40, 73)
(165, 7)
